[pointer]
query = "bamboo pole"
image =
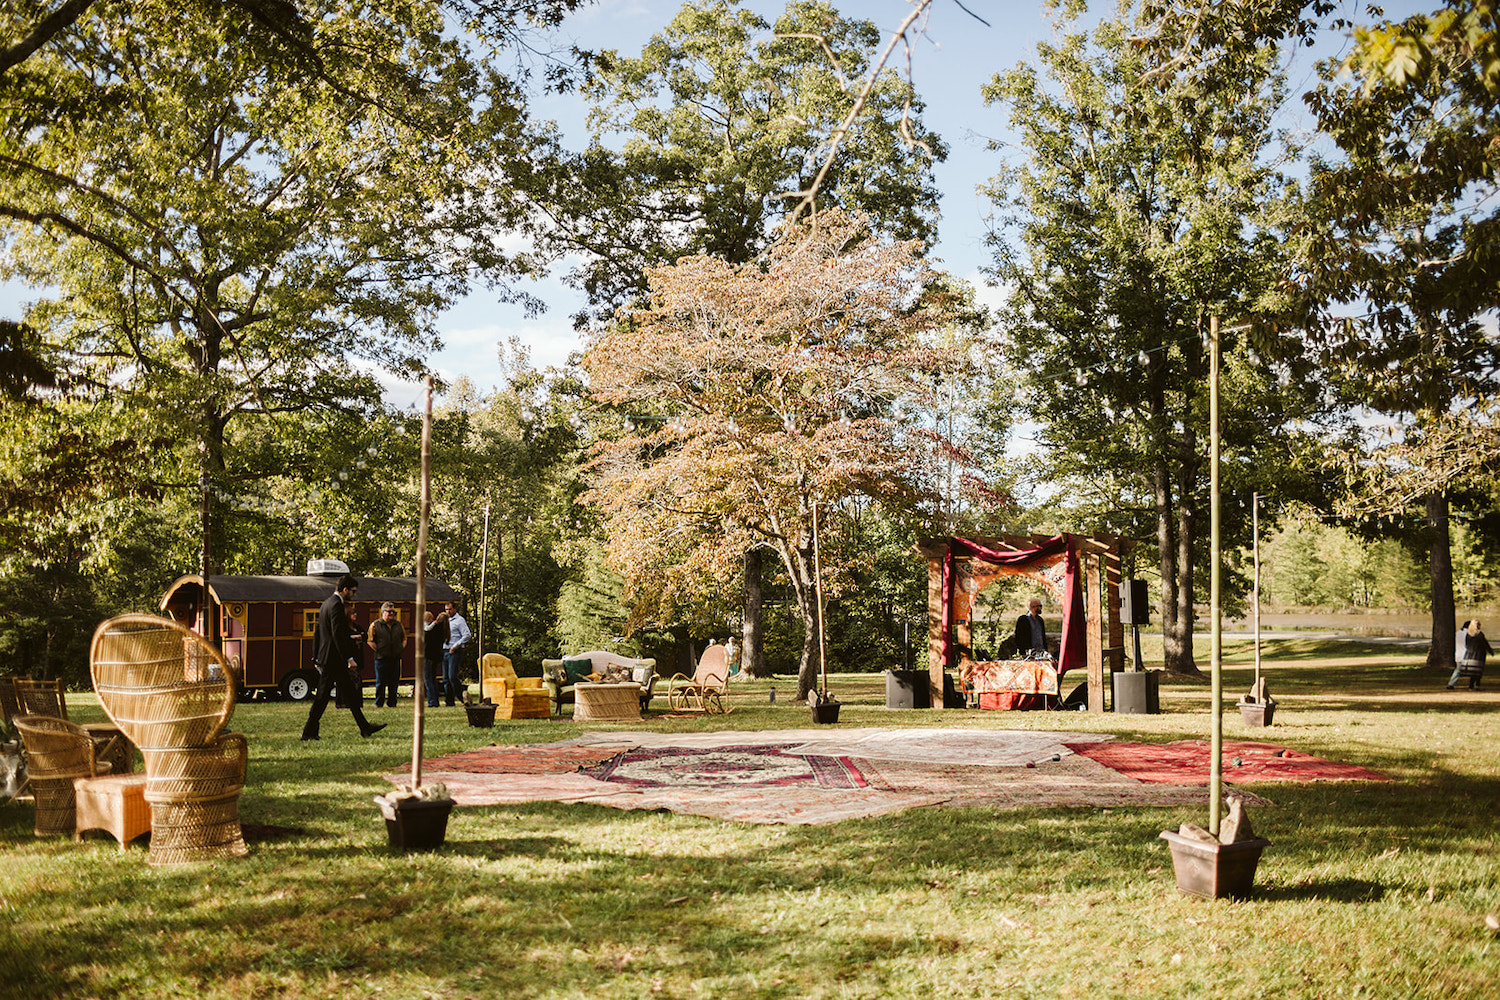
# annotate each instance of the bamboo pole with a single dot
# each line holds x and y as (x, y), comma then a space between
(1216, 750)
(484, 565)
(419, 708)
(818, 588)
(1255, 587)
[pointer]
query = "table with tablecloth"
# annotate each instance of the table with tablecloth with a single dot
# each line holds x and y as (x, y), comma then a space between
(1008, 684)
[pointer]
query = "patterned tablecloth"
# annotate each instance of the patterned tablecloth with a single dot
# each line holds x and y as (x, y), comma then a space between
(1013, 677)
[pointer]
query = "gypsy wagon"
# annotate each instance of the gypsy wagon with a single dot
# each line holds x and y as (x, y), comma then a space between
(266, 624)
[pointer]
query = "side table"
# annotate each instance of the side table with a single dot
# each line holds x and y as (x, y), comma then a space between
(606, 702)
(113, 802)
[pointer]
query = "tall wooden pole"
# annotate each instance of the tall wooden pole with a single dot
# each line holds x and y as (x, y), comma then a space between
(1216, 750)
(1255, 532)
(419, 709)
(818, 587)
(484, 564)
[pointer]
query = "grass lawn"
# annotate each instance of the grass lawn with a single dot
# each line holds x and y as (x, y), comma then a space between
(1369, 889)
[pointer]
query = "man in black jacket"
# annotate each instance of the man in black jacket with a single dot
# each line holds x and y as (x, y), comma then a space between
(1031, 634)
(336, 648)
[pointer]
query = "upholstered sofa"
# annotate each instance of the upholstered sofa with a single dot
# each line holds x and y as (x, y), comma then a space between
(559, 676)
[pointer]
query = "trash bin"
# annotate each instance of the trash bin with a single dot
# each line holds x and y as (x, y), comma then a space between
(1137, 692)
(907, 689)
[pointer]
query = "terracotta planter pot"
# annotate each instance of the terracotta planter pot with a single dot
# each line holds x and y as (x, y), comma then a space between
(415, 824)
(1214, 871)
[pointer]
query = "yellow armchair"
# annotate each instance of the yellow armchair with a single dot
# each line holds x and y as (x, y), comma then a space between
(514, 697)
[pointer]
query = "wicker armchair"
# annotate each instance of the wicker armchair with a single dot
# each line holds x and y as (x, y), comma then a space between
(172, 694)
(48, 698)
(57, 751)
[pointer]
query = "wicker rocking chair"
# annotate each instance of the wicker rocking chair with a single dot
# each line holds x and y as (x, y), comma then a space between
(172, 694)
(57, 751)
(705, 690)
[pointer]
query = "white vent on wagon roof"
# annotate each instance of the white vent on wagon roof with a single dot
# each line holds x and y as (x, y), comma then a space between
(327, 567)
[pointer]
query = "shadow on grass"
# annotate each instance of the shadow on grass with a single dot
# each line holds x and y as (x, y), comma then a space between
(1342, 890)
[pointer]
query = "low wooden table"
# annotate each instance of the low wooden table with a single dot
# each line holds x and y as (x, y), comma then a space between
(606, 702)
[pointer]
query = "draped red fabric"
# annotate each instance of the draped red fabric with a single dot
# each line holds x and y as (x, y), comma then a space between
(1071, 651)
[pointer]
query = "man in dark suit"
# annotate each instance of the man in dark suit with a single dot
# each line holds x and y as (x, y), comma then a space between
(1031, 634)
(336, 648)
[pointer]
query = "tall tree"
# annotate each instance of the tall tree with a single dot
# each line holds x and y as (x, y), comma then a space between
(774, 381)
(1132, 222)
(704, 141)
(241, 221)
(1401, 226)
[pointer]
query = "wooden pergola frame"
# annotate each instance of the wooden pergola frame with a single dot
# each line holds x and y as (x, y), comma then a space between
(1099, 562)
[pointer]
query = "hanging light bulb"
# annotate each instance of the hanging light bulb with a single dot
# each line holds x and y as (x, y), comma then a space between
(1143, 359)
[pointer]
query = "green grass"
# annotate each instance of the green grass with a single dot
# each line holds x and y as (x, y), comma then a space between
(1369, 890)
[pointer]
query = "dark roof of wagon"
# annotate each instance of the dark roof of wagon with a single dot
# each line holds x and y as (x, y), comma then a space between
(310, 589)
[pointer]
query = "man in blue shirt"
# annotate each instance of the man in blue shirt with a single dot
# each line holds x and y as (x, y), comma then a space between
(458, 634)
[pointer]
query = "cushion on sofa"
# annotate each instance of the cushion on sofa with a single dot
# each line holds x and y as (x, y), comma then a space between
(576, 670)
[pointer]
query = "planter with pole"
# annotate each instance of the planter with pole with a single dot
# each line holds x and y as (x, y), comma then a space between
(416, 817)
(1220, 861)
(1257, 707)
(481, 712)
(825, 708)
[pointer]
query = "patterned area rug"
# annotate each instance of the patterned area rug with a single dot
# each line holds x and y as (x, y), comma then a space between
(748, 766)
(814, 776)
(1187, 763)
(544, 758)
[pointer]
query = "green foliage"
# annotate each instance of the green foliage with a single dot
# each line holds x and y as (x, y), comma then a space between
(1140, 212)
(238, 228)
(701, 140)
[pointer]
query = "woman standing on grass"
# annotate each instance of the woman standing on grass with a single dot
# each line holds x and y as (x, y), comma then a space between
(1476, 648)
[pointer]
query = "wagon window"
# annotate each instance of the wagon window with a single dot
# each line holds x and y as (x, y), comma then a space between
(309, 622)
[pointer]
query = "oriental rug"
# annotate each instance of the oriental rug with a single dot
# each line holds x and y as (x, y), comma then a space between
(1186, 762)
(748, 766)
(814, 776)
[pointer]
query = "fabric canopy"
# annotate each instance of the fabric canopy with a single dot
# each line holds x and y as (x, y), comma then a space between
(1071, 651)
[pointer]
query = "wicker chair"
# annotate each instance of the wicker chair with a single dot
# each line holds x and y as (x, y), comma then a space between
(57, 751)
(48, 698)
(10, 706)
(705, 691)
(514, 697)
(171, 693)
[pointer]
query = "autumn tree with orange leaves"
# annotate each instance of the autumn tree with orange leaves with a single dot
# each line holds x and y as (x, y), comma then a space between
(758, 391)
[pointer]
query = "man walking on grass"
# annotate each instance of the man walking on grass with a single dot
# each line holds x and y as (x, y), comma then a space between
(336, 649)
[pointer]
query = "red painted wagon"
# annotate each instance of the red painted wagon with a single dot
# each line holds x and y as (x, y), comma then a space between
(266, 623)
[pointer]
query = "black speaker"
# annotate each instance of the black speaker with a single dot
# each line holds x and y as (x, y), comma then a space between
(1135, 607)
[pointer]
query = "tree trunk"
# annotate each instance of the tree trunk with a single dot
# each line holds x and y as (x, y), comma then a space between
(1440, 567)
(1166, 550)
(1179, 646)
(752, 646)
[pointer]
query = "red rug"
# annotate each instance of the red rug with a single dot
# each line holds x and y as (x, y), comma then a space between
(1187, 762)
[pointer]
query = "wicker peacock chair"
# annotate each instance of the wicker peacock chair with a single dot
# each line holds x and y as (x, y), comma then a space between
(172, 694)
